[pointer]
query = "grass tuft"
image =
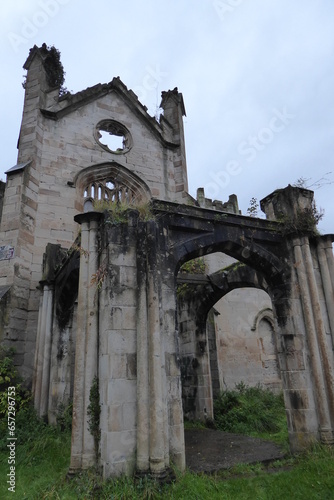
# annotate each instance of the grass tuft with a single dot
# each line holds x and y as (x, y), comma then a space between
(254, 411)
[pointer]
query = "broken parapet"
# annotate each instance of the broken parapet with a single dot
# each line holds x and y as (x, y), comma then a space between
(231, 205)
(287, 202)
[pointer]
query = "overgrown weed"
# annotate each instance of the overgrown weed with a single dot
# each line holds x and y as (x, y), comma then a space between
(118, 212)
(252, 410)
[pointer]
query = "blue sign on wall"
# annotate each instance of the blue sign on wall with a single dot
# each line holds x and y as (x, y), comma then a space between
(6, 252)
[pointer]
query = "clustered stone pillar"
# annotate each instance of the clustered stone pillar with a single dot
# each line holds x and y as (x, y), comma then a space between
(326, 263)
(171, 369)
(159, 408)
(143, 425)
(152, 432)
(156, 362)
(321, 364)
(86, 355)
(305, 319)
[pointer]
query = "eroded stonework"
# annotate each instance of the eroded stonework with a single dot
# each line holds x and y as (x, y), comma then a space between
(94, 238)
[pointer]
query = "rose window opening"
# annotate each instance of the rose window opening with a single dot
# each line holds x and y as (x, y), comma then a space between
(113, 137)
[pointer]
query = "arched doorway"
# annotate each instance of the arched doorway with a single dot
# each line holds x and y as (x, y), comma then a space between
(226, 333)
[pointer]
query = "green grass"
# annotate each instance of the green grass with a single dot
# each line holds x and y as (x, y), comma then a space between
(43, 455)
(42, 468)
(194, 424)
(253, 411)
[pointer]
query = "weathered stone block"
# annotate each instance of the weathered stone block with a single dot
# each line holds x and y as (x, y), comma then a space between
(121, 390)
(121, 342)
(115, 418)
(129, 411)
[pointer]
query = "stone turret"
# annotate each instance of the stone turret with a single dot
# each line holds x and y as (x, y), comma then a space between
(173, 111)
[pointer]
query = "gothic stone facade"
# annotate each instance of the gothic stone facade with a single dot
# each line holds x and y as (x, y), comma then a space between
(92, 241)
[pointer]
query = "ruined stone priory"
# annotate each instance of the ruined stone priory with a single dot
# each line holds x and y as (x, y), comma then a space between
(112, 278)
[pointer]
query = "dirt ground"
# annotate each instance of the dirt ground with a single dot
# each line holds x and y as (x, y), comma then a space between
(209, 450)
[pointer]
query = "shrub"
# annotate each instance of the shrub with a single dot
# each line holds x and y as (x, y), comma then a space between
(64, 417)
(193, 266)
(247, 410)
(9, 377)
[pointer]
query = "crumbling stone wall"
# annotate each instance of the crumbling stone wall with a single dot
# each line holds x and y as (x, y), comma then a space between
(246, 343)
(125, 318)
(195, 357)
(245, 336)
(59, 139)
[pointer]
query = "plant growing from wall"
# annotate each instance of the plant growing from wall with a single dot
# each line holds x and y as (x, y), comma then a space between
(234, 266)
(118, 212)
(193, 266)
(309, 183)
(55, 74)
(54, 69)
(98, 278)
(94, 411)
(303, 223)
(253, 209)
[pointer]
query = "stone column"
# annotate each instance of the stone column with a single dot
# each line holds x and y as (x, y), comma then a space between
(326, 355)
(172, 371)
(86, 355)
(143, 435)
(91, 345)
(79, 367)
(37, 362)
(325, 257)
(43, 351)
(330, 257)
(314, 327)
(155, 355)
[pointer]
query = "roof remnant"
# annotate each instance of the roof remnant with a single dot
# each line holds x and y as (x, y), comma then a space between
(18, 167)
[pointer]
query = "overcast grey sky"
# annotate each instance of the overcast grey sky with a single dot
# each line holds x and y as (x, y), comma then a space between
(257, 77)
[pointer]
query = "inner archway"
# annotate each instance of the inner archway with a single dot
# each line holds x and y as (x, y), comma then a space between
(244, 336)
(227, 339)
(226, 331)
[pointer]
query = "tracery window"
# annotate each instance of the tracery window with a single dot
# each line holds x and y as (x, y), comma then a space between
(112, 183)
(110, 191)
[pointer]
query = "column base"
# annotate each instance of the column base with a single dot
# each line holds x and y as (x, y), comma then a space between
(326, 436)
(165, 476)
(72, 472)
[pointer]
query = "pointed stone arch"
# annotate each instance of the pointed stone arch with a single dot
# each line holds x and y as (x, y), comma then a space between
(200, 370)
(264, 314)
